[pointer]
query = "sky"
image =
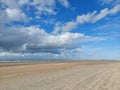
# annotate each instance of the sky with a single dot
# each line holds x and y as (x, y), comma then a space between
(59, 29)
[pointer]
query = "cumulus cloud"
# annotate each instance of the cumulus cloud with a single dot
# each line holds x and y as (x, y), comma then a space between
(91, 17)
(15, 14)
(23, 2)
(21, 40)
(47, 6)
(12, 10)
(44, 6)
(34, 39)
(10, 3)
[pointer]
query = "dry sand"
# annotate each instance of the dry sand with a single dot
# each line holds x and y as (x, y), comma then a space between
(84, 75)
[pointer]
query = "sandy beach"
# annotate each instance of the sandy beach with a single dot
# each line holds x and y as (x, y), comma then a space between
(82, 75)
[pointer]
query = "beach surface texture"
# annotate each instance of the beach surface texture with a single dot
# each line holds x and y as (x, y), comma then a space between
(83, 75)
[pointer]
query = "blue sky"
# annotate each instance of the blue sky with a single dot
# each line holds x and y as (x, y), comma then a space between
(60, 29)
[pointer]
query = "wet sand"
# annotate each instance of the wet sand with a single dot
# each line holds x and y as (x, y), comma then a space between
(79, 75)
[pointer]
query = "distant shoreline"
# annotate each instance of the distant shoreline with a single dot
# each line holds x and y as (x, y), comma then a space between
(27, 62)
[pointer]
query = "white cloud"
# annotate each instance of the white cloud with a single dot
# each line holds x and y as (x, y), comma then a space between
(23, 2)
(10, 3)
(64, 27)
(65, 3)
(9, 15)
(106, 1)
(57, 28)
(9, 54)
(103, 13)
(69, 26)
(44, 6)
(12, 10)
(109, 2)
(94, 16)
(15, 14)
(115, 9)
(87, 18)
(47, 6)
(90, 39)
(111, 26)
(35, 40)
